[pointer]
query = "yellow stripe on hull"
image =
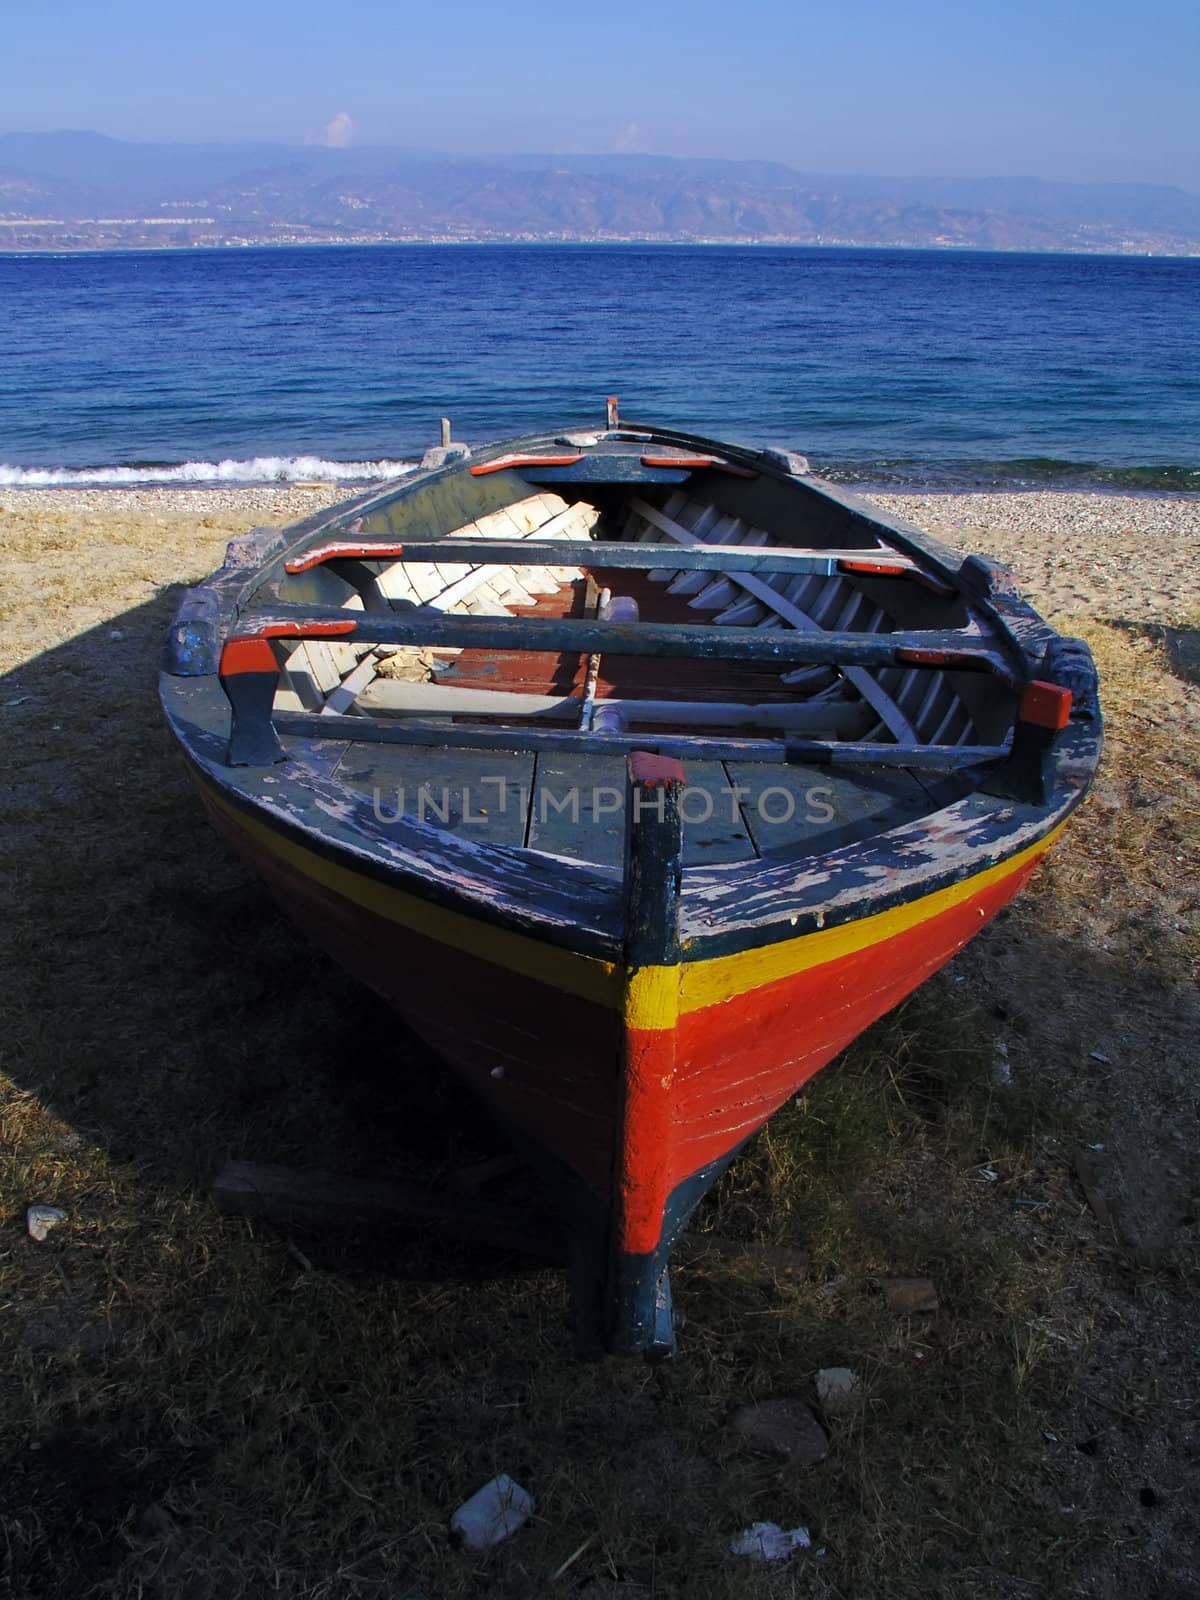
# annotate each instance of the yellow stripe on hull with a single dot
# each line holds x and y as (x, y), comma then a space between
(586, 977)
(649, 997)
(708, 983)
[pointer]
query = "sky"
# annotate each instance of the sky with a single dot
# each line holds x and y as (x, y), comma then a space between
(1104, 91)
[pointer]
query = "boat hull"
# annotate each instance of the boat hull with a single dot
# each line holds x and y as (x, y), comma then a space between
(663, 621)
(630, 1089)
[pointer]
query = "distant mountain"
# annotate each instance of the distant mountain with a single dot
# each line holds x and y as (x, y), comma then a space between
(80, 189)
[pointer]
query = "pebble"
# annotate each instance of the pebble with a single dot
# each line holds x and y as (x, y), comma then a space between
(272, 504)
(492, 1514)
(40, 1219)
(767, 1541)
(836, 1387)
(785, 1428)
(905, 1296)
(1075, 551)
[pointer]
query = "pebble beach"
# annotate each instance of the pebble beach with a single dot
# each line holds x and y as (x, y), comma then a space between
(161, 1016)
(1114, 557)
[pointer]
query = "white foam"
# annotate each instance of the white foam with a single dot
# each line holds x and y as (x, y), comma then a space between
(260, 469)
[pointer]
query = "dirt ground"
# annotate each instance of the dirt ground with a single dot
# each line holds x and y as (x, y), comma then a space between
(197, 1406)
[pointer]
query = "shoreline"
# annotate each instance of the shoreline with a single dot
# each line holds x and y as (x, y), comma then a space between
(1162, 481)
(580, 242)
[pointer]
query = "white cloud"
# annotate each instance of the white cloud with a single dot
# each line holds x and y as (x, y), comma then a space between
(338, 132)
(628, 139)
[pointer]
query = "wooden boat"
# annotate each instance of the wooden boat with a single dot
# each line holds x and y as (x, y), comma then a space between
(640, 773)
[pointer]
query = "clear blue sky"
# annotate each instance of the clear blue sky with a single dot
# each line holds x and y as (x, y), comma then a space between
(1106, 90)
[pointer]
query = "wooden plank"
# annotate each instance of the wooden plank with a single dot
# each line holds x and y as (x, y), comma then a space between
(714, 829)
(702, 641)
(321, 665)
(480, 794)
(425, 735)
(614, 469)
(297, 679)
(824, 808)
(398, 697)
(288, 1194)
(343, 698)
(577, 807)
(599, 554)
(579, 803)
(876, 697)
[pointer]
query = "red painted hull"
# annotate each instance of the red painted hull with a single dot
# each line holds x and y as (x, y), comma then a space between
(554, 1067)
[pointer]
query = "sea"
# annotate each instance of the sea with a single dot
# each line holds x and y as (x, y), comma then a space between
(896, 368)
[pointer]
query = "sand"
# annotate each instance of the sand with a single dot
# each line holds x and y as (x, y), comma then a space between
(1034, 1436)
(1118, 558)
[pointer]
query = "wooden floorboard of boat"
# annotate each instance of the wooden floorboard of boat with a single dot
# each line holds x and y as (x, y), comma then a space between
(543, 672)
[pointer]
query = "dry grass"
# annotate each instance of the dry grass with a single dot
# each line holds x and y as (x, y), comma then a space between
(194, 1406)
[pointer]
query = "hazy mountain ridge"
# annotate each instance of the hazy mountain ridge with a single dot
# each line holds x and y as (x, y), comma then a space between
(82, 189)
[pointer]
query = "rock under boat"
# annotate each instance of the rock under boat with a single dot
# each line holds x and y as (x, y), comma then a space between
(640, 773)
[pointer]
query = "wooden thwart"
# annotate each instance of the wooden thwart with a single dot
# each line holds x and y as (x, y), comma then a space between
(537, 737)
(606, 554)
(394, 697)
(715, 642)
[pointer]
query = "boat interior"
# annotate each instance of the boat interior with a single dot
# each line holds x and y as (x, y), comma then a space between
(872, 712)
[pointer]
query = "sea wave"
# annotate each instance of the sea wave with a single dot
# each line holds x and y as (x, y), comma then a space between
(259, 469)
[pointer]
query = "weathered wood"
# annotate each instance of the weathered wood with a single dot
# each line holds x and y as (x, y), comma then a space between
(397, 697)
(608, 555)
(471, 793)
(328, 1199)
(579, 803)
(579, 636)
(653, 859)
(872, 692)
(367, 730)
(824, 808)
(637, 1291)
(343, 698)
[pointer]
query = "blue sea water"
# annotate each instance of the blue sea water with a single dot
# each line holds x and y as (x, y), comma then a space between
(884, 366)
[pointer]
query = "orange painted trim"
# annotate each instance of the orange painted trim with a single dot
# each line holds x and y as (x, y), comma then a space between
(1046, 705)
(691, 462)
(247, 655)
(339, 550)
(305, 630)
(895, 567)
(886, 569)
(250, 652)
(943, 658)
(485, 468)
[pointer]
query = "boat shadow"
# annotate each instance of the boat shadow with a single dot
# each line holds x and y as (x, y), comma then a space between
(159, 1005)
(1181, 645)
